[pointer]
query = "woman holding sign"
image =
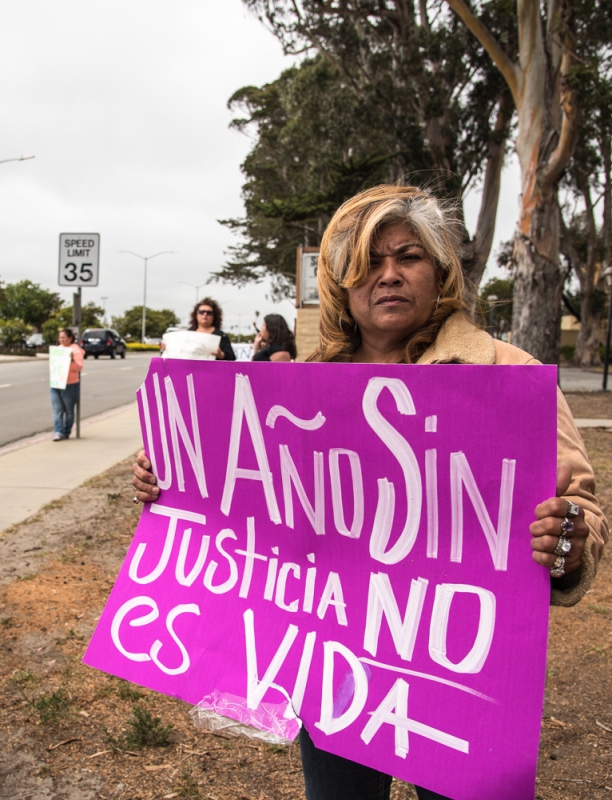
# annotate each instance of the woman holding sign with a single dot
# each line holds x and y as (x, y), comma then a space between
(206, 317)
(64, 400)
(392, 292)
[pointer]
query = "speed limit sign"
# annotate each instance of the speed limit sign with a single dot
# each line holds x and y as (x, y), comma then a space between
(79, 259)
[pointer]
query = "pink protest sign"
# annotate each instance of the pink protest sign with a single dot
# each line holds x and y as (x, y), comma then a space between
(348, 543)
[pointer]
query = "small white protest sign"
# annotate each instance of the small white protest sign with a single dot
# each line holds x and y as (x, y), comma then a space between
(191, 345)
(59, 366)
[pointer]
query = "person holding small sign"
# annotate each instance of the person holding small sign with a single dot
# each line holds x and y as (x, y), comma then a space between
(207, 317)
(392, 292)
(63, 401)
(274, 342)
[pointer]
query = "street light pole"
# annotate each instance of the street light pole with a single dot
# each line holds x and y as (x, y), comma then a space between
(197, 288)
(20, 158)
(492, 300)
(146, 259)
(608, 276)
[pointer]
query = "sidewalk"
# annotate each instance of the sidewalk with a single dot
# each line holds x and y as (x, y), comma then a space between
(37, 470)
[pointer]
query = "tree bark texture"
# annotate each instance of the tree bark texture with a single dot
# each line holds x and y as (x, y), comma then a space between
(546, 138)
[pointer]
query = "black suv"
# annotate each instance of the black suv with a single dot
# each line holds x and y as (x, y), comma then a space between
(103, 342)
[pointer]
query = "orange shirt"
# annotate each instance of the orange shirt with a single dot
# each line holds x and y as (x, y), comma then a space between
(76, 365)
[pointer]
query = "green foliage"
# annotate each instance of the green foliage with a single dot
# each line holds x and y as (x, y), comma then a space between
(91, 315)
(389, 96)
(14, 331)
(241, 337)
(28, 302)
(130, 323)
(145, 730)
(52, 707)
(567, 353)
(187, 784)
(128, 692)
(141, 347)
(21, 677)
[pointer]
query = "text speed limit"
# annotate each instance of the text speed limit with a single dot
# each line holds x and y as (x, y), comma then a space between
(79, 259)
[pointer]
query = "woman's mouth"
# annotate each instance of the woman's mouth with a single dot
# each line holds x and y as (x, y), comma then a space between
(390, 300)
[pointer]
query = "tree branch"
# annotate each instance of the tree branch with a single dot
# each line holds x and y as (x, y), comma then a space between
(559, 158)
(512, 72)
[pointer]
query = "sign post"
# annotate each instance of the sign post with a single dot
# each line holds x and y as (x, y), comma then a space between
(79, 265)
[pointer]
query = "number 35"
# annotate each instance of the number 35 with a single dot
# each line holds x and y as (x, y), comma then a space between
(72, 272)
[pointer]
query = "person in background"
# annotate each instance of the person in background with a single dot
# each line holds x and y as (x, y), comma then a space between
(274, 342)
(207, 317)
(63, 401)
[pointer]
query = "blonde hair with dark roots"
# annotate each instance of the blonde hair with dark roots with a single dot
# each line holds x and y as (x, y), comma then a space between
(344, 263)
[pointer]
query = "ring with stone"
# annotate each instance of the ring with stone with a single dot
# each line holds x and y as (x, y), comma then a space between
(135, 500)
(563, 547)
(567, 526)
(573, 509)
(558, 568)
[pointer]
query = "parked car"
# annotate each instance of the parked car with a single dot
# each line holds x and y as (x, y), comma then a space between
(103, 342)
(35, 340)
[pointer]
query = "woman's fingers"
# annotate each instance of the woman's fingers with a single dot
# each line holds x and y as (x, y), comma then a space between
(554, 529)
(547, 530)
(144, 481)
(142, 460)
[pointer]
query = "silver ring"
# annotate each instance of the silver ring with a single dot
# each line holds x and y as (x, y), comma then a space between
(567, 526)
(135, 500)
(573, 509)
(558, 568)
(563, 547)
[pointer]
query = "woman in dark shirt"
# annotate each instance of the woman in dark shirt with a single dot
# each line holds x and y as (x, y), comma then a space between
(206, 317)
(274, 342)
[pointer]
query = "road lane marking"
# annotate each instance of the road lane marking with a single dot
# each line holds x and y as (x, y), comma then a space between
(5, 385)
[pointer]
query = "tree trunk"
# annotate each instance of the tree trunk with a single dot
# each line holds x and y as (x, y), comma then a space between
(475, 263)
(547, 117)
(588, 342)
(589, 336)
(537, 284)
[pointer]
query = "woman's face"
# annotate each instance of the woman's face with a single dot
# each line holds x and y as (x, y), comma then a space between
(64, 340)
(206, 316)
(264, 331)
(400, 292)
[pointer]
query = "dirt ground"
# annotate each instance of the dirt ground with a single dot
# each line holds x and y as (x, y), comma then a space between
(72, 733)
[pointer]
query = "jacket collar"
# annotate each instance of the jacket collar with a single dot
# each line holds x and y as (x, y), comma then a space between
(459, 340)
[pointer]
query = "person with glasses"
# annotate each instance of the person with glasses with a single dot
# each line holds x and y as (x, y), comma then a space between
(207, 317)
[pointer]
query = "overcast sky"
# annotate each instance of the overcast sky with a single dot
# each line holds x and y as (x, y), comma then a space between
(124, 105)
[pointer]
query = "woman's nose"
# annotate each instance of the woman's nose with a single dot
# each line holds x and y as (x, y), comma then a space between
(389, 274)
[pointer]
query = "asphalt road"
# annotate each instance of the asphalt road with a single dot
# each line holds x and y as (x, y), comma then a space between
(25, 407)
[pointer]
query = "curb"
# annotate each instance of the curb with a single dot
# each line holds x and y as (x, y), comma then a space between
(42, 437)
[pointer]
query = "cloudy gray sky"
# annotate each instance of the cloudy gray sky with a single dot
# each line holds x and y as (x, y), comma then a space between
(124, 105)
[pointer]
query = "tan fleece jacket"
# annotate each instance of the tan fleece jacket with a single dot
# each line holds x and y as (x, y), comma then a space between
(459, 340)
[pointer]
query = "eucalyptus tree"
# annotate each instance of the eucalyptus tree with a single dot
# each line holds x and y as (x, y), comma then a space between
(439, 113)
(586, 221)
(554, 40)
(314, 145)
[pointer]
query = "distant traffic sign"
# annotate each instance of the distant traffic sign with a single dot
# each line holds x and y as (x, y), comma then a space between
(79, 259)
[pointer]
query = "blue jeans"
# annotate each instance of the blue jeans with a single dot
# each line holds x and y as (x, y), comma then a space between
(330, 777)
(63, 402)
